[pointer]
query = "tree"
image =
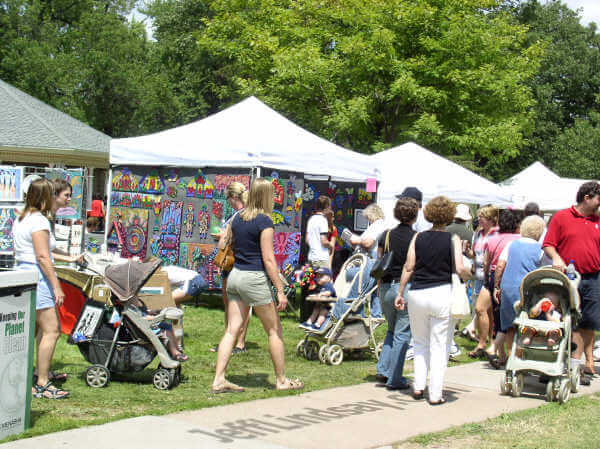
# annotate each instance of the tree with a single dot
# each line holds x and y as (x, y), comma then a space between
(365, 74)
(565, 87)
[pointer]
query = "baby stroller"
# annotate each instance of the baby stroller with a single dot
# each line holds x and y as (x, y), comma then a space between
(119, 339)
(353, 319)
(537, 357)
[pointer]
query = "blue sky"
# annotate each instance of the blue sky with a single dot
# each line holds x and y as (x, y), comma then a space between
(590, 12)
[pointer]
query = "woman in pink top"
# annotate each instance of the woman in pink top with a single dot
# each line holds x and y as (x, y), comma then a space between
(508, 223)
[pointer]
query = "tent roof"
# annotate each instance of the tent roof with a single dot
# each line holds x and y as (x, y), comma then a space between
(248, 134)
(30, 125)
(537, 183)
(413, 165)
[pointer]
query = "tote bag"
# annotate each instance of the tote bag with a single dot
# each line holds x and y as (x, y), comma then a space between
(460, 301)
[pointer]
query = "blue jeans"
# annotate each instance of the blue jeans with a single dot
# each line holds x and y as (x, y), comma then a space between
(397, 338)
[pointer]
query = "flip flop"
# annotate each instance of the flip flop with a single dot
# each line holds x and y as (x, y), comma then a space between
(227, 387)
(440, 402)
(417, 395)
(181, 357)
(478, 353)
(290, 384)
(53, 377)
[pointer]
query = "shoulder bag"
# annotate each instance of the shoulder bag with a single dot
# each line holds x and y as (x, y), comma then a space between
(225, 258)
(383, 264)
(459, 308)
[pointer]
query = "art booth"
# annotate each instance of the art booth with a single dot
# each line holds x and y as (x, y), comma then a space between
(167, 190)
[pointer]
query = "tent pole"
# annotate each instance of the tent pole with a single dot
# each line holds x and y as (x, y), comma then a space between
(107, 213)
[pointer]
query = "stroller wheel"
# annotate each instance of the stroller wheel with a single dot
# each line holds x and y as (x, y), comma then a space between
(162, 379)
(517, 385)
(323, 353)
(505, 384)
(335, 355)
(97, 376)
(552, 389)
(300, 348)
(575, 378)
(564, 393)
(311, 350)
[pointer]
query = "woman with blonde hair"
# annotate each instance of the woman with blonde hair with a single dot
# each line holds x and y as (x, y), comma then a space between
(488, 226)
(428, 267)
(249, 285)
(34, 243)
(368, 239)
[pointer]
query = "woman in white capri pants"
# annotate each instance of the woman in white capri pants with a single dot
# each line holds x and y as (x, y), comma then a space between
(428, 267)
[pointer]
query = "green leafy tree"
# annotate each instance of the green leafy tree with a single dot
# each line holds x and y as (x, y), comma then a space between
(366, 74)
(566, 89)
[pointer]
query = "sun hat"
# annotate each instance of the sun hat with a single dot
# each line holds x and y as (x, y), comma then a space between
(463, 212)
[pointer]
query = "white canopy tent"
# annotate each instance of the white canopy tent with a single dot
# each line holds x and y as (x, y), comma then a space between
(412, 165)
(537, 183)
(248, 134)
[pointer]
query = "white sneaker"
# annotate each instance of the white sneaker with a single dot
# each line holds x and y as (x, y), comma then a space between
(410, 353)
(454, 351)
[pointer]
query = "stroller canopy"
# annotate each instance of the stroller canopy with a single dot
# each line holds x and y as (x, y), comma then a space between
(125, 280)
(545, 277)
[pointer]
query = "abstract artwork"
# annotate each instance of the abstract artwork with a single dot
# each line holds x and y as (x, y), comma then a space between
(200, 187)
(11, 180)
(131, 231)
(7, 218)
(223, 181)
(189, 220)
(203, 221)
(151, 183)
(286, 246)
(136, 200)
(200, 258)
(170, 231)
(125, 181)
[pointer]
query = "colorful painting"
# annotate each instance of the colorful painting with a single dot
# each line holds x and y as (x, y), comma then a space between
(172, 175)
(203, 221)
(136, 201)
(286, 246)
(189, 220)
(11, 180)
(200, 258)
(125, 181)
(130, 227)
(7, 218)
(170, 231)
(200, 187)
(151, 183)
(74, 211)
(364, 198)
(223, 181)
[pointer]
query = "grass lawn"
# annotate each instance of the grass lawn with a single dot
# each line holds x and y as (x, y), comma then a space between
(573, 425)
(134, 395)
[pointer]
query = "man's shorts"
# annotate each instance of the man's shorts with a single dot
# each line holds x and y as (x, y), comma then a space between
(589, 293)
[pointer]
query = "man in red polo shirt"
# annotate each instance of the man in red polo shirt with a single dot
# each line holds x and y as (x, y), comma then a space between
(574, 235)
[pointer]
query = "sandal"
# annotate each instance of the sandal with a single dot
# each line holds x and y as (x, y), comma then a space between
(227, 387)
(478, 353)
(497, 362)
(417, 395)
(290, 384)
(440, 402)
(466, 333)
(181, 357)
(49, 391)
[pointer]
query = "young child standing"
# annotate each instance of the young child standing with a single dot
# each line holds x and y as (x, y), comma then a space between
(321, 309)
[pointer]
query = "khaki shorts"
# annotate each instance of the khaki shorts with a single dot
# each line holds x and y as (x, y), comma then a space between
(253, 288)
(320, 264)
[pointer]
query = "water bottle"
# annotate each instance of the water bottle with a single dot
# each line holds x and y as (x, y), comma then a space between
(571, 270)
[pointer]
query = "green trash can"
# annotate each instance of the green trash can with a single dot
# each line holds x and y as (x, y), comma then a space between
(17, 327)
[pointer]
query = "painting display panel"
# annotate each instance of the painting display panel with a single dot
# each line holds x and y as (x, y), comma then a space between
(11, 180)
(7, 218)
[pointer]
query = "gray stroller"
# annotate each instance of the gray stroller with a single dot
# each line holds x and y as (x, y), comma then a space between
(120, 339)
(535, 355)
(352, 322)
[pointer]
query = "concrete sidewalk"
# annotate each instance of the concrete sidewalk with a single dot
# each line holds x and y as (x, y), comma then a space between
(360, 417)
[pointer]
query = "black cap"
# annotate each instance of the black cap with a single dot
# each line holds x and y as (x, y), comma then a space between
(411, 192)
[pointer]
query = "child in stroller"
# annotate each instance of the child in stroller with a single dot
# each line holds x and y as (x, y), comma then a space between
(547, 308)
(546, 313)
(322, 299)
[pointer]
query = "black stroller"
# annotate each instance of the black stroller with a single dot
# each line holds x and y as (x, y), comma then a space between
(120, 339)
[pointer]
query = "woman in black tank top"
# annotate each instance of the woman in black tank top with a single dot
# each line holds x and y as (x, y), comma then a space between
(429, 265)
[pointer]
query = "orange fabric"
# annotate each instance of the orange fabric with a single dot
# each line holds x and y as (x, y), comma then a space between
(71, 308)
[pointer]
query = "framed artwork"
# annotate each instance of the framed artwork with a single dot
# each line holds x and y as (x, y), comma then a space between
(74, 211)
(7, 218)
(11, 181)
(360, 221)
